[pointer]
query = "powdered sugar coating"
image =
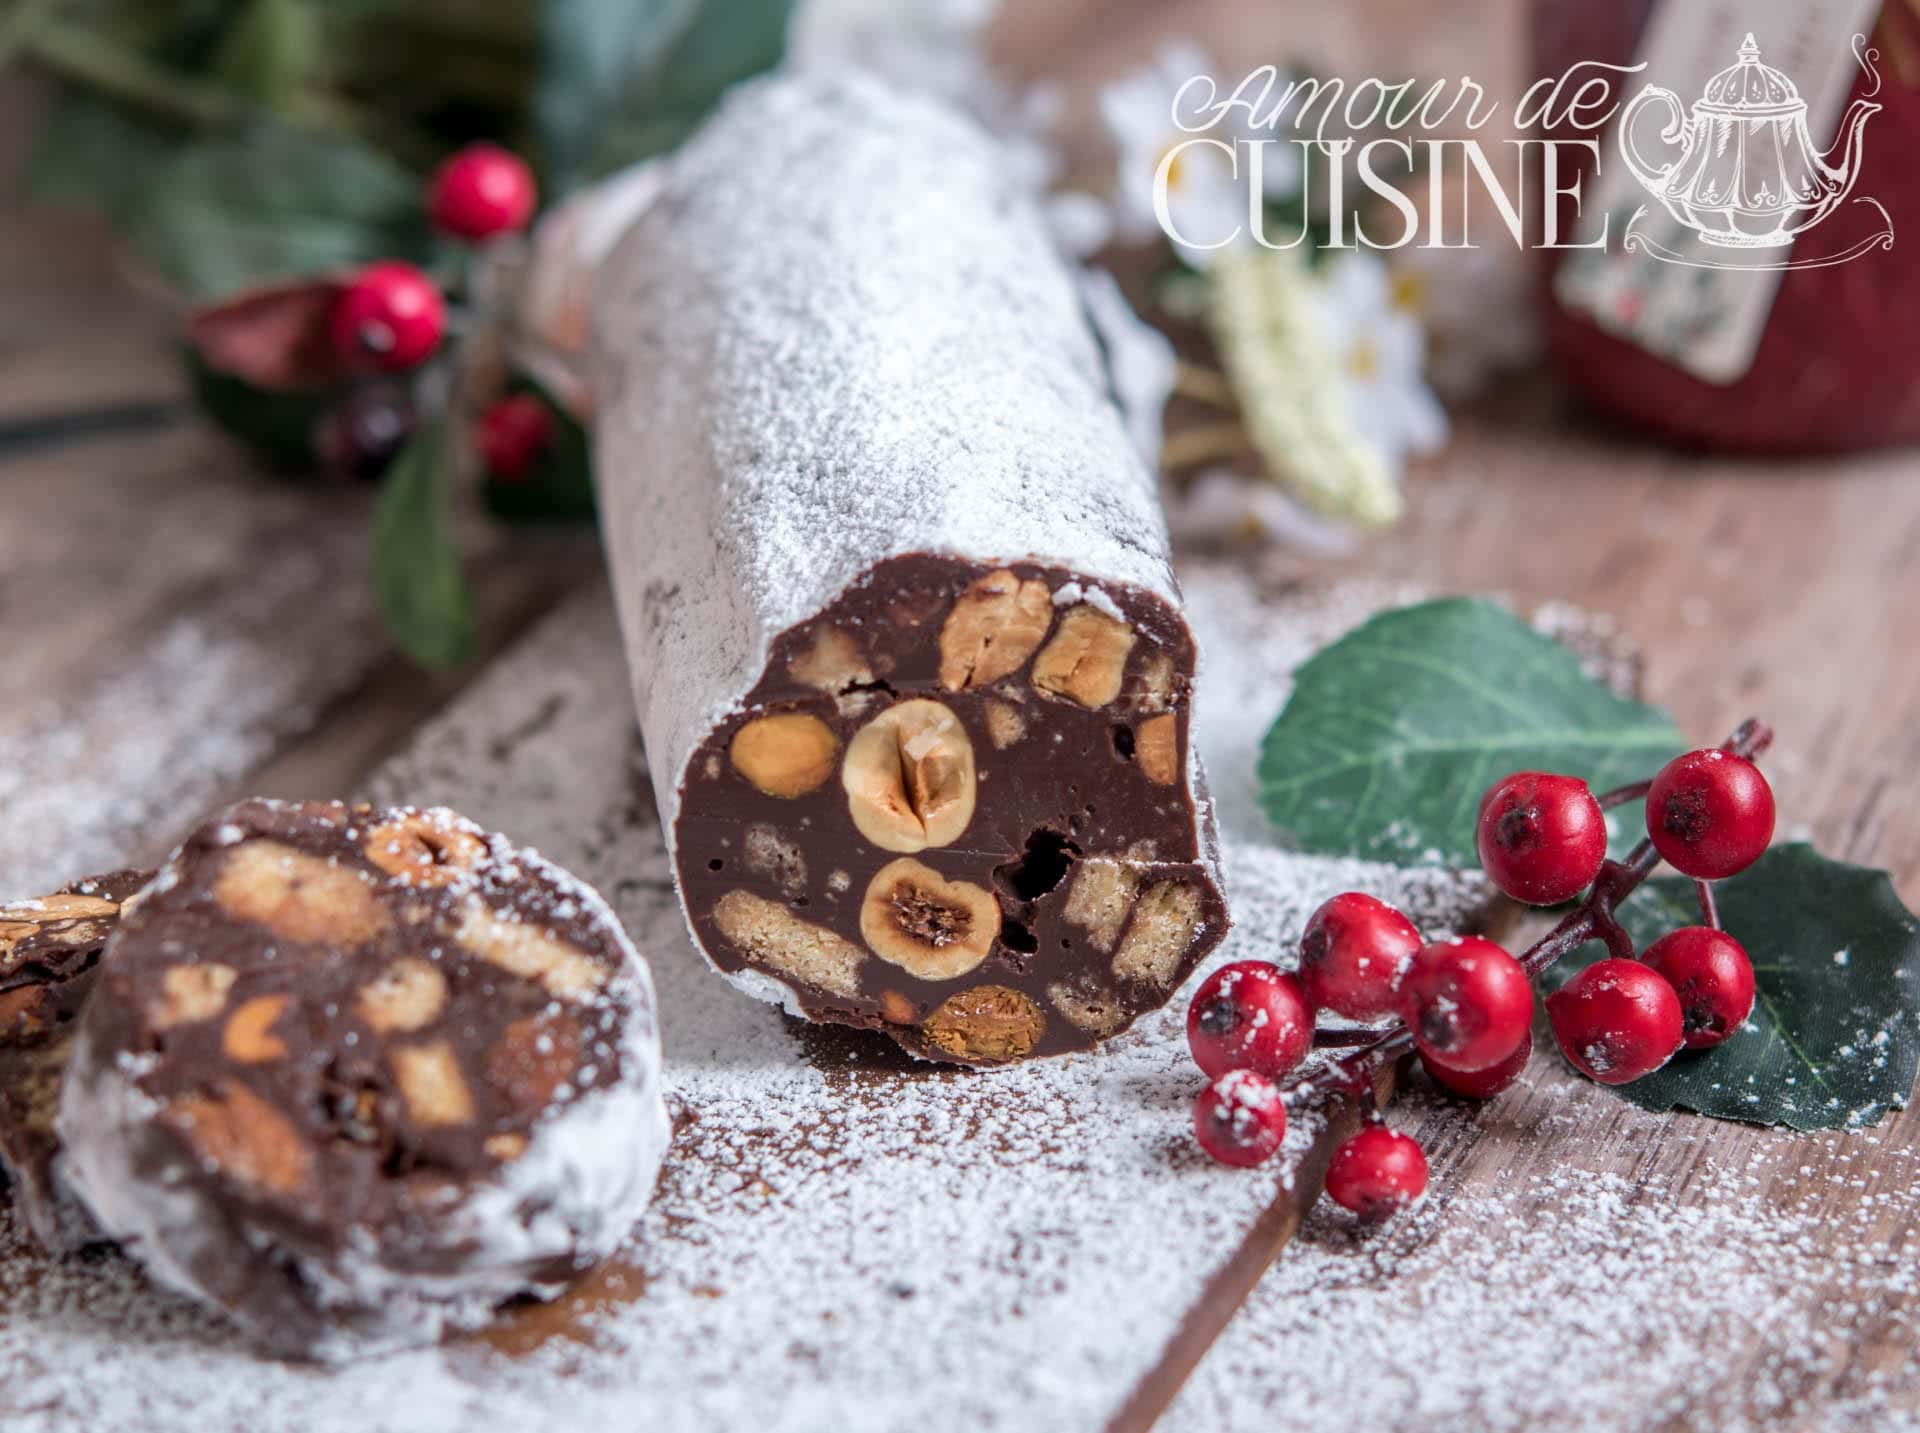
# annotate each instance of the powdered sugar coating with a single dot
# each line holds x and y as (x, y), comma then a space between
(840, 335)
(401, 1272)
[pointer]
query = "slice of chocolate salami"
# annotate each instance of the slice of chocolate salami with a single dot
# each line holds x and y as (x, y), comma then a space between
(356, 1076)
(49, 959)
(895, 588)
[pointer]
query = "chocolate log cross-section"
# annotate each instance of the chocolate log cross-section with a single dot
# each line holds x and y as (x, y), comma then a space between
(896, 588)
(49, 960)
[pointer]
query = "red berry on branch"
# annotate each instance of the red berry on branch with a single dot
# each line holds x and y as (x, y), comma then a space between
(1482, 1084)
(482, 191)
(1710, 814)
(1249, 1016)
(1709, 970)
(1239, 1118)
(1542, 837)
(1467, 1002)
(1377, 1173)
(1616, 1021)
(1352, 955)
(512, 434)
(390, 316)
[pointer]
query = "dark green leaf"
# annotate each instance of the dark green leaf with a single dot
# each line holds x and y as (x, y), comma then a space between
(277, 203)
(624, 79)
(1394, 733)
(95, 155)
(418, 580)
(1834, 1040)
(560, 486)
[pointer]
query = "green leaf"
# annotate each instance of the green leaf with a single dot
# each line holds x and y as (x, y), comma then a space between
(418, 580)
(1394, 733)
(621, 80)
(265, 54)
(560, 487)
(275, 203)
(1834, 1039)
(96, 155)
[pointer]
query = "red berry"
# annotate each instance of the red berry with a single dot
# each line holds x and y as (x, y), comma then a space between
(390, 316)
(1239, 1118)
(1482, 1084)
(1542, 837)
(1710, 814)
(1711, 974)
(1352, 955)
(1616, 1021)
(512, 433)
(1468, 1003)
(1377, 1173)
(482, 191)
(1249, 1016)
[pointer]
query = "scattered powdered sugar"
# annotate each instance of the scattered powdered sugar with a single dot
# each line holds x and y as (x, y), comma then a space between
(112, 779)
(1654, 1272)
(839, 1238)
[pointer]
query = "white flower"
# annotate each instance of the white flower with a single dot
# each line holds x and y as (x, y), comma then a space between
(1379, 351)
(1140, 361)
(1207, 187)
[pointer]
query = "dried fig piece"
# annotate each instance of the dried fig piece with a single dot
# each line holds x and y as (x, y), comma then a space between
(1087, 659)
(986, 1025)
(922, 922)
(996, 624)
(909, 777)
(787, 754)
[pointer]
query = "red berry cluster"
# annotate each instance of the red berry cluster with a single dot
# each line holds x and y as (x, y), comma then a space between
(1465, 1004)
(391, 316)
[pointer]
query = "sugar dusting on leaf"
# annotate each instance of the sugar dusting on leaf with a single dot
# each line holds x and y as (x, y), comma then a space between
(1833, 1040)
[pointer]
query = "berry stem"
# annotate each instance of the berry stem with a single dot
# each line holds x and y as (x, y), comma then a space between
(1353, 1074)
(1621, 795)
(1709, 907)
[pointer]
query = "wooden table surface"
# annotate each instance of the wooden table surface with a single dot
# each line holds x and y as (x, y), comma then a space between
(1786, 590)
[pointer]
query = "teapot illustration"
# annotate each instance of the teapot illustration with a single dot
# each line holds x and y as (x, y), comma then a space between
(1747, 175)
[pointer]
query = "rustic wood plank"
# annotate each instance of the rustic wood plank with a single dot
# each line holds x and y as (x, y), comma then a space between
(828, 1209)
(1756, 588)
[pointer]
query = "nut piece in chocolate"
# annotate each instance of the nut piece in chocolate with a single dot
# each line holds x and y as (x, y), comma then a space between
(1010, 863)
(50, 951)
(357, 1076)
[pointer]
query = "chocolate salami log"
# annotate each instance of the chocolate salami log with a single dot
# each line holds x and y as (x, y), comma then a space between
(895, 588)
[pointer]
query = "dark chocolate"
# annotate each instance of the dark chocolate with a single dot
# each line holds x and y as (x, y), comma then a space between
(1085, 895)
(327, 1073)
(49, 960)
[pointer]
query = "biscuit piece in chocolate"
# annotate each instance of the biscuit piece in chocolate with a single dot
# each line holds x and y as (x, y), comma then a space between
(356, 1076)
(49, 960)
